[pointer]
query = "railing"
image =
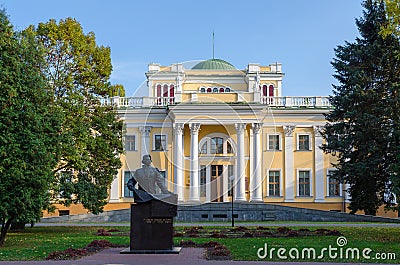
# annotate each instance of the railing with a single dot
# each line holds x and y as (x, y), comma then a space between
(282, 102)
(295, 102)
(138, 102)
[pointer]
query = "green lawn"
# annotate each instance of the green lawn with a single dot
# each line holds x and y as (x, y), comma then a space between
(36, 243)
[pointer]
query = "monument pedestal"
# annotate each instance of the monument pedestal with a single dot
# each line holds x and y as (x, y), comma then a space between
(152, 227)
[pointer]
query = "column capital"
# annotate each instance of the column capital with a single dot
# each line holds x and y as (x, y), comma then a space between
(145, 130)
(256, 127)
(194, 128)
(240, 127)
(317, 130)
(178, 128)
(289, 129)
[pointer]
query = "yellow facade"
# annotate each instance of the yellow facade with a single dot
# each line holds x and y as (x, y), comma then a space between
(246, 134)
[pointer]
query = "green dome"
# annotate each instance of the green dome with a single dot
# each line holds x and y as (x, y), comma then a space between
(214, 64)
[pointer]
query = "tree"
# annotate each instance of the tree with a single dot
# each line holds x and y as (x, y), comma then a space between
(78, 71)
(362, 128)
(117, 90)
(29, 130)
(392, 26)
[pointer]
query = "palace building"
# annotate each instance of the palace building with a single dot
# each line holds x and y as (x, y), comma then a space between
(216, 133)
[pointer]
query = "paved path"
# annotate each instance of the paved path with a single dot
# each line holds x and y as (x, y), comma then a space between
(190, 256)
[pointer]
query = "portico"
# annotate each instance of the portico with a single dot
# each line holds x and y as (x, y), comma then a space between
(216, 156)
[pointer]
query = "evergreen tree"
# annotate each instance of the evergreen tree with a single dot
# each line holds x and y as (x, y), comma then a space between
(29, 130)
(362, 127)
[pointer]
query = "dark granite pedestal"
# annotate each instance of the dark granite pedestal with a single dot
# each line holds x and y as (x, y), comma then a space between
(152, 227)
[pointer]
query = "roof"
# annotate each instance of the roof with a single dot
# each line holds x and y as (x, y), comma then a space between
(214, 64)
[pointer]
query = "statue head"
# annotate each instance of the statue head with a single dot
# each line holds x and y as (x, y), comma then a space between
(146, 160)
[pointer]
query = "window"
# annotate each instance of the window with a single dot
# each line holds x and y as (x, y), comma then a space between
(215, 90)
(333, 186)
(203, 179)
(228, 89)
(264, 90)
(165, 91)
(274, 183)
(221, 90)
(303, 142)
(127, 177)
(217, 146)
(273, 142)
(160, 142)
(202, 89)
(209, 90)
(271, 90)
(304, 188)
(130, 144)
(158, 90)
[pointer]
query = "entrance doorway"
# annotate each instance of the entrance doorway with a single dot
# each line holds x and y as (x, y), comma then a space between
(216, 183)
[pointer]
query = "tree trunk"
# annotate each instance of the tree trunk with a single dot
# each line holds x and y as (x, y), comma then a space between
(4, 229)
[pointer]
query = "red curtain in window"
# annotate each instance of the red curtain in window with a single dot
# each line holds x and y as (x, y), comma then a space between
(165, 91)
(158, 90)
(172, 91)
(264, 90)
(271, 90)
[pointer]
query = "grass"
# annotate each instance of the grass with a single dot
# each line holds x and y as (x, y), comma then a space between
(37, 242)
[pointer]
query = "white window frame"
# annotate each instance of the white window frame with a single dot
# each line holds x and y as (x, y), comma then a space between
(154, 142)
(310, 142)
(298, 183)
(135, 147)
(280, 141)
(327, 185)
(280, 182)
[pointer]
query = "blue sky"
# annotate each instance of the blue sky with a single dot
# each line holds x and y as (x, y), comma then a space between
(300, 34)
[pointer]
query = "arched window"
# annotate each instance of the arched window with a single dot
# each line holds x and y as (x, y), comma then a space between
(216, 146)
(215, 90)
(221, 90)
(165, 91)
(264, 90)
(172, 91)
(271, 90)
(202, 89)
(158, 90)
(227, 89)
(209, 90)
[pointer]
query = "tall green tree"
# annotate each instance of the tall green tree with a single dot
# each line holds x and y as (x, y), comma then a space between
(362, 128)
(78, 71)
(29, 130)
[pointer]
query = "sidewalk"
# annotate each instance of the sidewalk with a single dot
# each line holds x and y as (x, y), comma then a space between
(190, 256)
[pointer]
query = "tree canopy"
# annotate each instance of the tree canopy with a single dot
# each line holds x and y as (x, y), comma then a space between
(78, 72)
(363, 128)
(392, 25)
(29, 129)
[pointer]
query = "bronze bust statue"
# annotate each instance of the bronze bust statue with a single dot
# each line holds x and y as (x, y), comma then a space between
(147, 178)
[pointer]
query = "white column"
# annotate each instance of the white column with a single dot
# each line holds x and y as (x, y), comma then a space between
(225, 179)
(255, 178)
(240, 180)
(145, 140)
(319, 165)
(194, 194)
(178, 160)
(114, 191)
(289, 170)
(208, 183)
